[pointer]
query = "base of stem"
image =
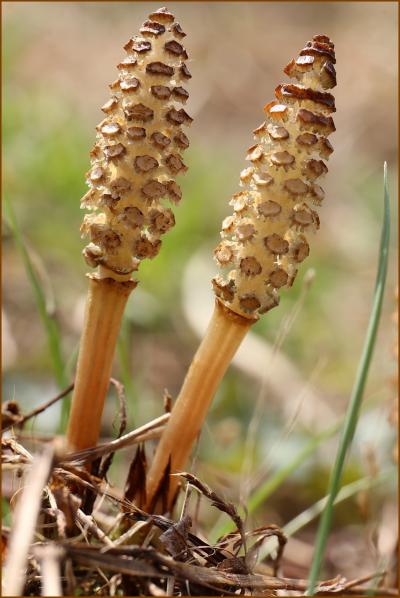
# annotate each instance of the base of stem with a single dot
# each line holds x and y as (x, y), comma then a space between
(105, 304)
(224, 334)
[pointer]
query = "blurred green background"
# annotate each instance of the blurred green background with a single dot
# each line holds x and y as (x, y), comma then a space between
(58, 58)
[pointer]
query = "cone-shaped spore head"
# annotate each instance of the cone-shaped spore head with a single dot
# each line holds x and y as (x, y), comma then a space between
(138, 151)
(267, 236)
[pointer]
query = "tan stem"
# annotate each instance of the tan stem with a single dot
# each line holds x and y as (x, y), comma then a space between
(105, 304)
(224, 334)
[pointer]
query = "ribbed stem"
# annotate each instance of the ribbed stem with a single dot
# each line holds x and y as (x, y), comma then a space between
(105, 304)
(224, 334)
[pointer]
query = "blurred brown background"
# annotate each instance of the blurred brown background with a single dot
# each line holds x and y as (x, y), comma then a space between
(58, 58)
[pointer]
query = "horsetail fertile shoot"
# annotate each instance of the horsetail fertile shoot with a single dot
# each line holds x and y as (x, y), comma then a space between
(263, 243)
(134, 164)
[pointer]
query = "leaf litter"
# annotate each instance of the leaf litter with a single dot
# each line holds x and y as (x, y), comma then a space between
(86, 537)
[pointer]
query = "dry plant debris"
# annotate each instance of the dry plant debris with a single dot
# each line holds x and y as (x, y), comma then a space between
(71, 550)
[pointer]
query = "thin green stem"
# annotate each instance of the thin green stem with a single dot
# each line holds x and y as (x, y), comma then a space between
(48, 319)
(353, 409)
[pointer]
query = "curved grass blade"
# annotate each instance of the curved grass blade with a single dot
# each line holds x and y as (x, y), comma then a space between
(308, 515)
(345, 492)
(353, 409)
(273, 482)
(49, 323)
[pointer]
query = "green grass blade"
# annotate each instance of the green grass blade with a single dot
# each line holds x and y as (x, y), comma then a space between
(275, 481)
(353, 409)
(307, 516)
(345, 492)
(272, 483)
(49, 323)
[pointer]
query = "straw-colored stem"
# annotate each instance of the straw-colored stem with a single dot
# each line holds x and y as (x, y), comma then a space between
(50, 557)
(105, 304)
(25, 519)
(224, 334)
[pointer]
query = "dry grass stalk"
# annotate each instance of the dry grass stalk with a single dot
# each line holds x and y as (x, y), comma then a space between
(141, 563)
(148, 431)
(11, 415)
(263, 243)
(25, 518)
(185, 564)
(49, 557)
(88, 524)
(134, 163)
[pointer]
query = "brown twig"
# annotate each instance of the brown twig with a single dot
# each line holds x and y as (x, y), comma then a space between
(362, 580)
(88, 523)
(38, 410)
(149, 430)
(219, 503)
(145, 562)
